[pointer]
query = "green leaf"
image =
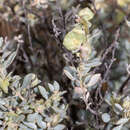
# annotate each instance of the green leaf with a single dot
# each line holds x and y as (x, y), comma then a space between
(4, 84)
(74, 38)
(86, 14)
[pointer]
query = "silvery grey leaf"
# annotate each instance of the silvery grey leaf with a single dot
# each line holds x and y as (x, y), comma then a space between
(48, 119)
(69, 75)
(32, 117)
(87, 78)
(41, 123)
(1, 42)
(14, 103)
(122, 121)
(6, 54)
(94, 80)
(10, 59)
(28, 111)
(51, 87)
(1, 115)
(59, 127)
(56, 85)
(118, 106)
(93, 63)
(2, 102)
(86, 70)
(20, 118)
(106, 117)
(3, 108)
(127, 22)
(1, 122)
(27, 80)
(30, 125)
(118, 127)
(23, 127)
(43, 92)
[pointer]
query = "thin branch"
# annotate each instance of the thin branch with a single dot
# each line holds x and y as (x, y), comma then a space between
(124, 84)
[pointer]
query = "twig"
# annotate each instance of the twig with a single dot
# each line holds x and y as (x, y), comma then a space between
(112, 45)
(124, 84)
(100, 22)
(113, 49)
(28, 26)
(126, 81)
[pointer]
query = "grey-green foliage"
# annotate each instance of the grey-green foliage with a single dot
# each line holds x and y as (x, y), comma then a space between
(19, 106)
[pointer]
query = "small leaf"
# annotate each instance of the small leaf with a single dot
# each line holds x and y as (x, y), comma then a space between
(59, 127)
(31, 117)
(94, 80)
(118, 106)
(27, 80)
(43, 92)
(20, 118)
(57, 86)
(74, 38)
(41, 123)
(1, 122)
(23, 127)
(3, 108)
(6, 54)
(68, 74)
(1, 42)
(10, 59)
(30, 125)
(93, 63)
(122, 121)
(127, 22)
(51, 87)
(4, 84)
(118, 127)
(35, 80)
(106, 117)
(87, 79)
(86, 14)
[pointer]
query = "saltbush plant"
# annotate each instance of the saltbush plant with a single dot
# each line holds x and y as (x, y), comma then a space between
(20, 107)
(65, 64)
